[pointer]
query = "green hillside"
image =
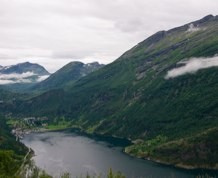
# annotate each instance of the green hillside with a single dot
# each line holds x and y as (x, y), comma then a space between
(67, 75)
(131, 97)
(12, 152)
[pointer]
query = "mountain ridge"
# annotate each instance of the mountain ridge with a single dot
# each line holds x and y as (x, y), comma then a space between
(139, 68)
(131, 97)
(67, 75)
(24, 67)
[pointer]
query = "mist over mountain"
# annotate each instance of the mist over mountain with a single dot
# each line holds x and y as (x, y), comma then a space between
(23, 68)
(162, 94)
(22, 73)
(192, 66)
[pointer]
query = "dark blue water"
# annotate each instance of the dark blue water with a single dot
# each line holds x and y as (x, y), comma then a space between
(79, 154)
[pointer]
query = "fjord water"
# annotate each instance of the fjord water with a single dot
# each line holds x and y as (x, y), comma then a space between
(79, 154)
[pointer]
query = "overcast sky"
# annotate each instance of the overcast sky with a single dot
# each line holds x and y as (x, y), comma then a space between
(55, 32)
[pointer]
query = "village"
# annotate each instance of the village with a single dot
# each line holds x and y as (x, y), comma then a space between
(27, 125)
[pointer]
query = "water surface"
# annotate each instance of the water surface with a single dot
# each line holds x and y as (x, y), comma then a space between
(78, 154)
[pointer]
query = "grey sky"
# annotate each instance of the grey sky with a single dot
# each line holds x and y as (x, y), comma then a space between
(54, 32)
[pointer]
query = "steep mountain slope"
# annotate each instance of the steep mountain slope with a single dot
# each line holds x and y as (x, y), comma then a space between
(7, 95)
(133, 97)
(12, 152)
(68, 75)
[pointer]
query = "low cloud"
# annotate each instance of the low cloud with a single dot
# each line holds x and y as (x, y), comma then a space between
(191, 66)
(16, 75)
(192, 28)
(41, 78)
(5, 82)
(8, 81)
(19, 78)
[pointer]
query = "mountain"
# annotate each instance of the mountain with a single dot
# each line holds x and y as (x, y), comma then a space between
(162, 93)
(22, 73)
(67, 75)
(23, 68)
(6, 95)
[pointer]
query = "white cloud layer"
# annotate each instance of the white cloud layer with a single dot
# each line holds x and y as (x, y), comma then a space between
(55, 32)
(192, 66)
(5, 82)
(41, 78)
(16, 75)
(19, 78)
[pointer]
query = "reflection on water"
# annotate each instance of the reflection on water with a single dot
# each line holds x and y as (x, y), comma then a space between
(78, 154)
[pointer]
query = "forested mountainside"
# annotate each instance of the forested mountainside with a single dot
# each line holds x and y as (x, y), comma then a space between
(12, 152)
(153, 92)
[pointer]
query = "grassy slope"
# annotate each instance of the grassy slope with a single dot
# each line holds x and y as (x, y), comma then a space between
(130, 97)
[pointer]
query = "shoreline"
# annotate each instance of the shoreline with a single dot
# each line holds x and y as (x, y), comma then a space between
(158, 161)
(178, 165)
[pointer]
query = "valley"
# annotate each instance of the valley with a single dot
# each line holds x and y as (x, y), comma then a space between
(161, 94)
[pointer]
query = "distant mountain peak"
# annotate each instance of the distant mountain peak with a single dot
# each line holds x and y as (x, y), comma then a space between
(151, 42)
(25, 72)
(26, 63)
(68, 74)
(23, 68)
(75, 62)
(207, 18)
(93, 64)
